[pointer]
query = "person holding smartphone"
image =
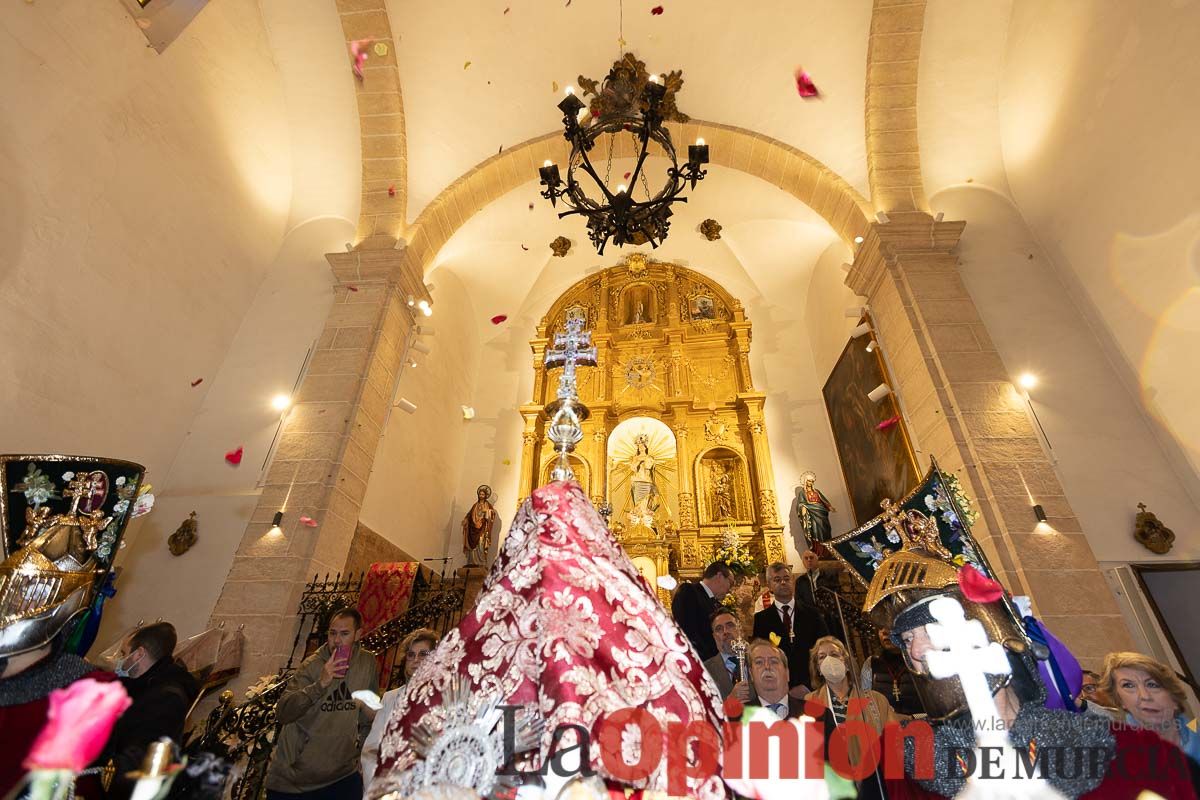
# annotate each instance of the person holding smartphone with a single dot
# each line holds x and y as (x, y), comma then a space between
(323, 727)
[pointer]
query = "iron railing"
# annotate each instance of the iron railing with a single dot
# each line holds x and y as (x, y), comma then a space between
(246, 733)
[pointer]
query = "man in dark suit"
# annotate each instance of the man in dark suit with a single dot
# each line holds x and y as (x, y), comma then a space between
(797, 625)
(769, 673)
(694, 604)
(810, 583)
(724, 667)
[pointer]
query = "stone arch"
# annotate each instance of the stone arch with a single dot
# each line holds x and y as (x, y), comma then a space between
(792, 170)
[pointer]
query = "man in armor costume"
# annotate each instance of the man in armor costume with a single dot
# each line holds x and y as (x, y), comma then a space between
(1082, 755)
(61, 522)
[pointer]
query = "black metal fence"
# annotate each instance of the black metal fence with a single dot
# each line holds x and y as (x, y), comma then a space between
(245, 733)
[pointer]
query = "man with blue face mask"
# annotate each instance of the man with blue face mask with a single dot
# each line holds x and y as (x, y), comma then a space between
(162, 691)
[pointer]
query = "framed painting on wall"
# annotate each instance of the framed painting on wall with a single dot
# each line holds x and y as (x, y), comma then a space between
(876, 464)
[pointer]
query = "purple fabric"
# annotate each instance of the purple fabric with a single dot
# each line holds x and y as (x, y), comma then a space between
(1061, 672)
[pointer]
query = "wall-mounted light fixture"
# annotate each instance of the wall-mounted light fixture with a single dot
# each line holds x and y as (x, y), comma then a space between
(871, 345)
(879, 392)
(406, 405)
(862, 329)
(1039, 512)
(882, 218)
(422, 347)
(276, 522)
(1027, 380)
(280, 402)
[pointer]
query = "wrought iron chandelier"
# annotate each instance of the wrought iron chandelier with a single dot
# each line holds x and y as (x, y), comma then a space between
(629, 101)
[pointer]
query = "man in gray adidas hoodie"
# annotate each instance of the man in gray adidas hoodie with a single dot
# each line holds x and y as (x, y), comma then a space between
(323, 727)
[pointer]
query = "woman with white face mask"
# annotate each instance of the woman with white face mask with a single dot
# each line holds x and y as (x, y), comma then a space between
(829, 665)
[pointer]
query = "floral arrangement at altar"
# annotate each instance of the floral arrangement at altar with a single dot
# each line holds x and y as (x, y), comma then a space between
(736, 555)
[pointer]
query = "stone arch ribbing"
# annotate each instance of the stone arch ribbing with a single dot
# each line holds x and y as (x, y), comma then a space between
(791, 170)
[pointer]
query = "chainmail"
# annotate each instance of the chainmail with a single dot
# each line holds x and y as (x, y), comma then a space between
(38, 681)
(1060, 736)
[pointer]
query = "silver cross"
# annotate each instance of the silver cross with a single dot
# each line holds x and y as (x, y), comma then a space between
(571, 349)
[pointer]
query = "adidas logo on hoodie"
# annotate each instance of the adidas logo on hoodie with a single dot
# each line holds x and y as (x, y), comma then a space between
(340, 700)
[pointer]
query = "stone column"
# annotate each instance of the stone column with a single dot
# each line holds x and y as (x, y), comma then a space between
(962, 408)
(324, 456)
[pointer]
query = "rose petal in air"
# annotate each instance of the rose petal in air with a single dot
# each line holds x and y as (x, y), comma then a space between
(805, 86)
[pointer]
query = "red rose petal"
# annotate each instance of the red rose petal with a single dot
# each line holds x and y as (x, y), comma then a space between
(977, 587)
(392, 191)
(496, 320)
(309, 521)
(197, 382)
(627, 174)
(352, 288)
(887, 423)
(804, 85)
(657, 11)
(234, 457)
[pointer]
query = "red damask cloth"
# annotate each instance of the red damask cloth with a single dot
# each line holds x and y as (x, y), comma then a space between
(385, 593)
(567, 626)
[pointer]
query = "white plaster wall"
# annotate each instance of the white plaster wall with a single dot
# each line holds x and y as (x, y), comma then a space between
(412, 492)
(265, 359)
(1098, 120)
(144, 198)
(1105, 451)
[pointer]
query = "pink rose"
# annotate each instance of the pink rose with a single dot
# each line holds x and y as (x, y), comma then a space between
(78, 723)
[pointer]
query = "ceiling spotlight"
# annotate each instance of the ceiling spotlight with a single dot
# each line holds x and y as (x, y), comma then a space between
(280, 402)
(349, 247)
(940, 216)
(879, 392)
(426, 309)
(871, 346)
(412, 301)
(858, 240)
(882, 218)
(854, 312)
(412, 364)
(276, 523)
(847, 267)
(862, 329)
(425, 329)
(422, 347)
(406, 405)
(1027, 381)
(468, 412)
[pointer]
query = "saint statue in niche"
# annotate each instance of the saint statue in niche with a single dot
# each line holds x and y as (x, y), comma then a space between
(643, 492)
(638, 302)
(722, 483)
(477, 527)
(814, 510)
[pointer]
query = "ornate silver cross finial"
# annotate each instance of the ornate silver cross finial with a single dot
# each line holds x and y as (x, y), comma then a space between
(571, 349)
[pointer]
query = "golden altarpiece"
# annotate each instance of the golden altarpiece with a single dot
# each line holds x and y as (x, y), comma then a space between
(676, 442)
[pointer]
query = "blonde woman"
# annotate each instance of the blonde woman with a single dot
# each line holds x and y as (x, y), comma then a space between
(414, 649)
(829, 666)
(1151, 697)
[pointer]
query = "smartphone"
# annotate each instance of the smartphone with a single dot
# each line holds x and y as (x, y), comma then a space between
(342, 653)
